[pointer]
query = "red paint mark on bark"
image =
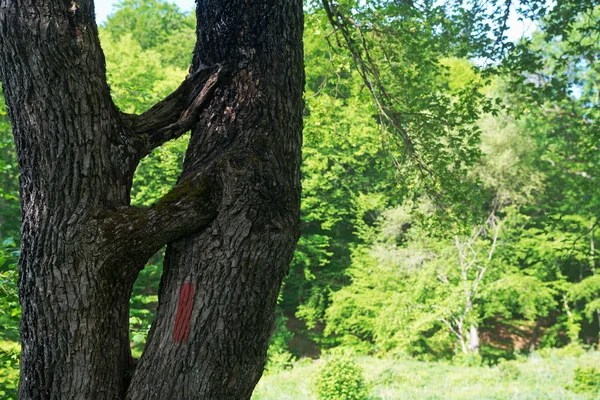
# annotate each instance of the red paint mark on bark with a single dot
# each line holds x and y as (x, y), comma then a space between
(181, 329)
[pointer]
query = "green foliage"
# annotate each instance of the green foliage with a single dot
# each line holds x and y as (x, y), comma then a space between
(570, 350)
(408, 285)
(279, 357)
(157, 25)
(587, 379)
(144, 302)
(9, 370)
(158, 172)
(509, 370)
(9, 298)
(137, 76)
(588, 292)
(427, 123)
(10, 311)
(278, 360)
(9, 320)
(532, 378)
(341, 379)
(347, 178)
(537, 176)
(9, 173)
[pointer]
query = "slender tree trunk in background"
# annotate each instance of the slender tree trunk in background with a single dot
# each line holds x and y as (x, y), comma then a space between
(460, 334)
(535, 334)
(473, 339)
(82, 245)
(252, 130)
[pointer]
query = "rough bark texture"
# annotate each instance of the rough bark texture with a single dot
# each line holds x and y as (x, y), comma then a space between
(73, 161)
(252, 132)
(233, 218)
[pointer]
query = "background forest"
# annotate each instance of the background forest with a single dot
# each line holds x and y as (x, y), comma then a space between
(455, 251)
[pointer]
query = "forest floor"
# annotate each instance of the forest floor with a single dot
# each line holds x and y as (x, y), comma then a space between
(544, 375)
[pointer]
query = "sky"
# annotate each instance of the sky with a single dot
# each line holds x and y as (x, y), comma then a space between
(105, 7)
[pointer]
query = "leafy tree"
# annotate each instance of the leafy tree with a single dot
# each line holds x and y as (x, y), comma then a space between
(344, 168)
(539, 255)
(417, 291)
(156, 25)
(352, 168)
(563, 81)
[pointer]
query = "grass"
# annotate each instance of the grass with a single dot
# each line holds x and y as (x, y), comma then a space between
(545, 376)
(9, 372)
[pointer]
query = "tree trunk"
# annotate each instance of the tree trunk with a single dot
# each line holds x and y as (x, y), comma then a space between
(74, 293)
(235, 267)
(82, 245)
(473, 340)
(460, 334)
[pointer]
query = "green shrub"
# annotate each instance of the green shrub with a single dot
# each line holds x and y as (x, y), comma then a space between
(573, 349)
(279, 357)
(304, 362)
(279, 361)
(587, 379)
(341, 379)
(493, 355)
(509, 370)
(388, 377)
(467, 359)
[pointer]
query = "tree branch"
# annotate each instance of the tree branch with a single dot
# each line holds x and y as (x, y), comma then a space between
(569, 171)
(141, 231)
(178, 112)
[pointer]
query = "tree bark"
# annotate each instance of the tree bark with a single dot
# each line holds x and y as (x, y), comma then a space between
(473, 339)
(252, 130)
(74, 327)
(82, 245)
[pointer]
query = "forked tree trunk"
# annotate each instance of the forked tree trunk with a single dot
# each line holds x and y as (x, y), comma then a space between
(83, 245)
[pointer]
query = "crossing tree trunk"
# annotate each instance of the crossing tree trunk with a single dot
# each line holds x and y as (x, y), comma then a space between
(234, 267)
(231, 221)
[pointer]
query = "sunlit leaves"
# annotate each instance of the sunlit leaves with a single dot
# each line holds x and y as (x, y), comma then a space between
(156, 25)
(9, 173)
